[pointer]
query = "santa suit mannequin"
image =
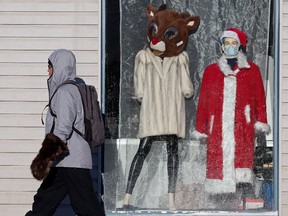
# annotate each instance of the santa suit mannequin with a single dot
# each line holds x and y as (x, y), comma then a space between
(231, 108)
(162, 82)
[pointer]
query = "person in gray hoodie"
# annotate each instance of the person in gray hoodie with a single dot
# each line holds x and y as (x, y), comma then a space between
(69, 173)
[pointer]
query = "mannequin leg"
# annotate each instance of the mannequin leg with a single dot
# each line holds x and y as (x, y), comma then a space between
(172, 166)
(126, 199)
(171, 202)
(136, 166)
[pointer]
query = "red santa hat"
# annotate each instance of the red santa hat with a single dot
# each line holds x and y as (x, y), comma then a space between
(235, 33)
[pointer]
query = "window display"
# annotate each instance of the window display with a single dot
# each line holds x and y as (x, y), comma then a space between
(243, 189)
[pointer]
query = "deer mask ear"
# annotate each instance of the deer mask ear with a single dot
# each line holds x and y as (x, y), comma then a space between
(151, 11)
(192, 23)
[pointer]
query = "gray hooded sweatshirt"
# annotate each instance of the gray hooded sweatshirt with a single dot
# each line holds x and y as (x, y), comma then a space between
(67, 106)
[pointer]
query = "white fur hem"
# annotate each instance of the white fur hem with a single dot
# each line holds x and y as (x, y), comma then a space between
(262, 127)
(198, 136)
(217, 186)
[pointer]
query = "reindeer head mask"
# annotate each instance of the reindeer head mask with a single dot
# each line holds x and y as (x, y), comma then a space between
(168, 30)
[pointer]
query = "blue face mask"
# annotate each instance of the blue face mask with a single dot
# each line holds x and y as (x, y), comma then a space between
(231, 50)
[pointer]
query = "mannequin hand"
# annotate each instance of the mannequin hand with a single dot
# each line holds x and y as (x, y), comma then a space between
(262, 128)
(199, 136)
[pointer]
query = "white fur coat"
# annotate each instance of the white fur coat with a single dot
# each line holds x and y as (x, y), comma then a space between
(161, 85)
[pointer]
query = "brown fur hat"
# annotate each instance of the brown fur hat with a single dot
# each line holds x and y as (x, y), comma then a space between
(52, 146)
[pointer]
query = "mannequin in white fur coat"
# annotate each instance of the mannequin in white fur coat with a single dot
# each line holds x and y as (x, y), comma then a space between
(162, 82)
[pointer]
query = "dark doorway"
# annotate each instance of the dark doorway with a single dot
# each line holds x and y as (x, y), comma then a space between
(112, 67)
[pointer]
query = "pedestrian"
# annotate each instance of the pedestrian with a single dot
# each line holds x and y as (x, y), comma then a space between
(69, 173)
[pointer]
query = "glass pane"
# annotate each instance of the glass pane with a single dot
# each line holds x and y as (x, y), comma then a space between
(151, 188)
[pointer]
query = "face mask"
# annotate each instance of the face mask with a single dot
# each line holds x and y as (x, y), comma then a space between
(231, 50)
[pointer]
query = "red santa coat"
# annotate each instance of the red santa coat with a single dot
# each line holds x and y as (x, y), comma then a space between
(231, 105)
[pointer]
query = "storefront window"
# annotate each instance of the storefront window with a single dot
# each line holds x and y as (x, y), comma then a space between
(152, 189)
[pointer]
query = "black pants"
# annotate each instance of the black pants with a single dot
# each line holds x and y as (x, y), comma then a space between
(144, 149)
(75, 182)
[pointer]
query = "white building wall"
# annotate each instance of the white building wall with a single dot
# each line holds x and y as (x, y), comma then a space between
(284, 111)
(29, 31)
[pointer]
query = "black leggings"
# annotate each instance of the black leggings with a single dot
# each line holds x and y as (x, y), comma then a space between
(144, 149)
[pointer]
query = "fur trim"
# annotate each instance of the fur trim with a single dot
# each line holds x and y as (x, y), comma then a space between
(242, 61)
(52, 147)
(219, 186)
(225, 68)
(262, 127)
(198, 136)
(228, 185)
(228, 139)
(230, 34)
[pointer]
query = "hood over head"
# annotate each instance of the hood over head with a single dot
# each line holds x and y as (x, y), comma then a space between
(64, 68)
